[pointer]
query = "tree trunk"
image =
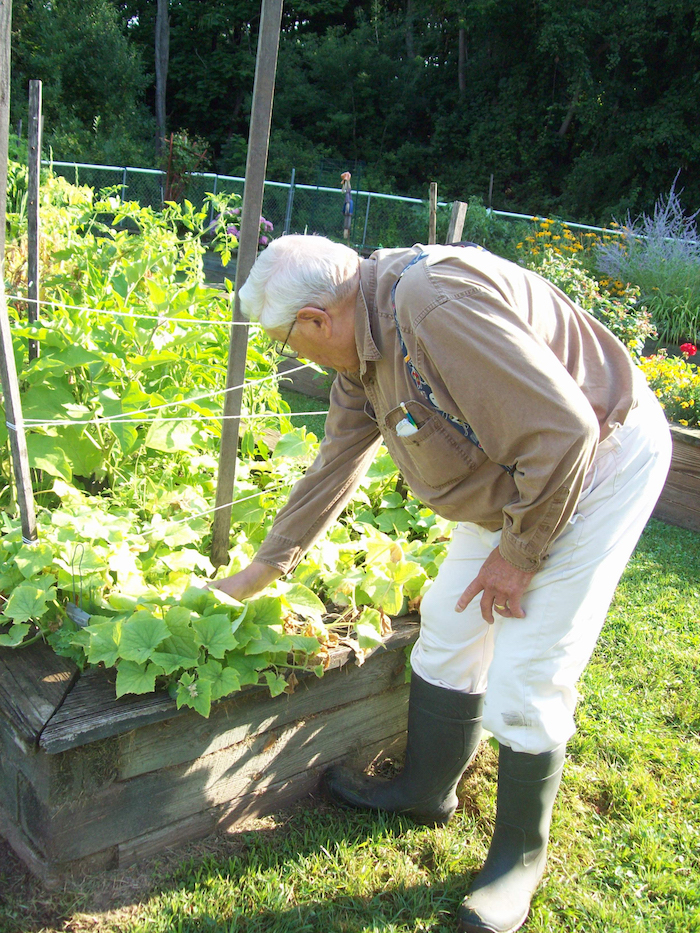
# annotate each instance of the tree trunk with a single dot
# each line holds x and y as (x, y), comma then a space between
(461, 61)
(410, 49)
(162, 54)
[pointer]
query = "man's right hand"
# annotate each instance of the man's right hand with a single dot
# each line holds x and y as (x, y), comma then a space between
(247, 582)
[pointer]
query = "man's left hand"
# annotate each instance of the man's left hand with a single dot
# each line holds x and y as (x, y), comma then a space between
(502, 586)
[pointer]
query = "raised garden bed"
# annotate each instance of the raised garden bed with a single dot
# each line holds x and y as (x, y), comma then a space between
(88, 782)
(679, 503)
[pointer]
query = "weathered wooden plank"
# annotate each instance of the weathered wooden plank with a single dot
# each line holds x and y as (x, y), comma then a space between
(679, 503)
(245, 808)
(186, 738)
(91, 712)
(126, 809)
(686, 435)
(33, 684)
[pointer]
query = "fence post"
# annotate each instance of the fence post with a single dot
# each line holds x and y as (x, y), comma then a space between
(256, 163)
(8, 370)
(290, 203)
(211, 204)
(33, 223)
(364, 232)
(124, 184)
(457, 218)
(432, 213)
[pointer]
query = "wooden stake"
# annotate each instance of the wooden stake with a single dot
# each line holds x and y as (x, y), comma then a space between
(33, 228)
(432, 216)
(457, 218)
(8, 370)
(256, 164)
(5, 40)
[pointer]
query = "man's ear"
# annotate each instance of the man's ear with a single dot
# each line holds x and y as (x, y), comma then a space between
(317, 317)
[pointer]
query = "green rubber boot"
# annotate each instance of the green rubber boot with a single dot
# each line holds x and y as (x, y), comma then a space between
(500, 895)
(444, 729)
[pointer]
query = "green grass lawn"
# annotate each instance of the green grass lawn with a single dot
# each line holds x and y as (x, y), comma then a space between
(625, 852)
(299, 402)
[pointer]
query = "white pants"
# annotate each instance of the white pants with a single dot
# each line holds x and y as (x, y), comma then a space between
(529, 667)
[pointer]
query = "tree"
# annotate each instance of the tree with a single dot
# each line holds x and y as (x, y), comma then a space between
(93, 79)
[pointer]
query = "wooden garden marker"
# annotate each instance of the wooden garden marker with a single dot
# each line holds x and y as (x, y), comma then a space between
(8, 370)
(457, 218)
(256, 164)
(33, 229)
(432, 213)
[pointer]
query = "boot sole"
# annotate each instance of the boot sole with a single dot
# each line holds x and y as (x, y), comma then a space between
(467, 926)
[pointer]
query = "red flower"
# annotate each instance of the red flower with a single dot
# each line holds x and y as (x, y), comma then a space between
(688, 349)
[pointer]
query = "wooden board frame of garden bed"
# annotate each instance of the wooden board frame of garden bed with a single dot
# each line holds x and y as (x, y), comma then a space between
(89, 782)
(679, 503)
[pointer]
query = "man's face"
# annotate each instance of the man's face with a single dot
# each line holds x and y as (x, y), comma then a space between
(317, 336)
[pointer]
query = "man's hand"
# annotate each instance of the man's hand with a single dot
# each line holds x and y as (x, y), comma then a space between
(502, 585)
(247, 582)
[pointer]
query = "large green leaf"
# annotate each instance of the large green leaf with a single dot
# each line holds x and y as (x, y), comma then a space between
(136, 678)
(224, 680)
(369, 628)
(266, 610)
(194, 692)
(141, 635)
(15, 635)
(170, 436)
(104, 641)
(45, 453)
(215, 634)
(28, 602)
(82, 452)
(304, 602)
(32, 559)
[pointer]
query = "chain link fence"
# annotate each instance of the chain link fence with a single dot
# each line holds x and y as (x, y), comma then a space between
(379, 219)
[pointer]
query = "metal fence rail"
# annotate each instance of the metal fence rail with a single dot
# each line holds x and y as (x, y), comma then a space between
(387, 220)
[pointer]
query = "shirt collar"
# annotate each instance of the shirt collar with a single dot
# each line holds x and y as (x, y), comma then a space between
(366, 304)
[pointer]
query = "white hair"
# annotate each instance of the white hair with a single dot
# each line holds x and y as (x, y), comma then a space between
(293, 272)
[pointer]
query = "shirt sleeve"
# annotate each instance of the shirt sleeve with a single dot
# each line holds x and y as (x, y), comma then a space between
(492, 370)
(346, 452)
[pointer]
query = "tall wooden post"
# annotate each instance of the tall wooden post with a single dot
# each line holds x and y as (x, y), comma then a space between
(162, 54)
(432, 215)
(256, 164)
(457, 218)
(33, 228)
(8, 371)
(5, 40)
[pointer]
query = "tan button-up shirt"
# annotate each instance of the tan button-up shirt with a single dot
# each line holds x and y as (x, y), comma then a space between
(540, 382)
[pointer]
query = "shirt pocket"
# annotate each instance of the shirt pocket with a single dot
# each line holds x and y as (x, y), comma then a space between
(437, 454)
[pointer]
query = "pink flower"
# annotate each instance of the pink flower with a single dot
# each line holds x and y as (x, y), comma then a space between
(263, 241)
(688, 349)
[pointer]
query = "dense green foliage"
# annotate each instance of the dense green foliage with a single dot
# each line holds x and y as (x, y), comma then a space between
(623, 855)
(579, 110)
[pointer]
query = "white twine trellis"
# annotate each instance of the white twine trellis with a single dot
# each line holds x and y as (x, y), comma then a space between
(162, 319)
(126, 417)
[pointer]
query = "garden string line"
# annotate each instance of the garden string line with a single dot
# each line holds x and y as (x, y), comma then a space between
(226, 505)
(243, 417)
(145, 317)
(126, 417)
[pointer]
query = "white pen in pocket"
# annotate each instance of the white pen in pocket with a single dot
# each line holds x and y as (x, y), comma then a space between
(407, 425)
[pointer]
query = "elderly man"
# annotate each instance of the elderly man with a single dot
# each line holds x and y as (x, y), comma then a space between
(512, 412)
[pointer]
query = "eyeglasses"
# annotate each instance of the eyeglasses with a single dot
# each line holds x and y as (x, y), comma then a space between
(281, 348)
